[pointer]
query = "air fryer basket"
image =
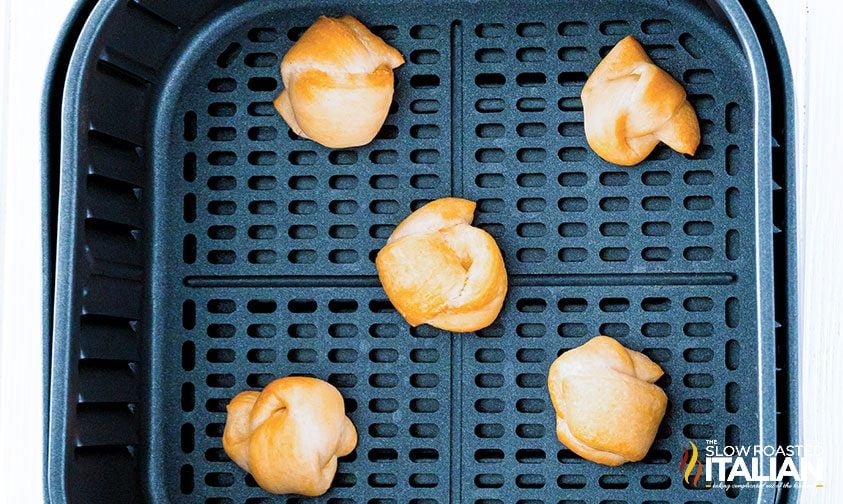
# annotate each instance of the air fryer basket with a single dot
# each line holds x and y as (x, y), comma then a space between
(205, 249)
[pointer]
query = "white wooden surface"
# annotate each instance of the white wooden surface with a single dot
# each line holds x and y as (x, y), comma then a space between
(814, 34)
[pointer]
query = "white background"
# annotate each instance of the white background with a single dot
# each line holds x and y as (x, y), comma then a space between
(28, 29)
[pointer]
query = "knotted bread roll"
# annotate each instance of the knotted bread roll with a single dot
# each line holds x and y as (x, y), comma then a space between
(289, 435)
(630, 105)
(607, 408)
(437, 269)
(338, 83)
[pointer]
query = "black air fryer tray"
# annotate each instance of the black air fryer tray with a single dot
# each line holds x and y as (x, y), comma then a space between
(204, 249)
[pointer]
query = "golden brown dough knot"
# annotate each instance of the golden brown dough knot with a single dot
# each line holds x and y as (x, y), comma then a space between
(289, 435)
(630, 105)
(437, 269)
(607, 408)
(338, 83)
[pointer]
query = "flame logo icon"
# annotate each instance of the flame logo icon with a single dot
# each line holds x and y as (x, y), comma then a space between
(689, 463)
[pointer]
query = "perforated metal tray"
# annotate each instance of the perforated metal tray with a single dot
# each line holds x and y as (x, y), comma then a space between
(204, 249)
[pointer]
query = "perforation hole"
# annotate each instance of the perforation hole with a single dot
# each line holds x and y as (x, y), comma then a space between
(698, 406)
(384, 355)
(732, 202)
(698, 329)
(383, 156)
(424, 156)
(424, 405)
(572, 79)
(698, 253)
(261, 109)
(573, 229)
(186, 476)
(490, 80)
(221, 330)
(187, 439)
(489, 55)
(573, 254)
(614, 329)
(573, 204)
(614, 204)
(262, 84)
(612, 305)
(660, 51)
(530, 104)
(656, 330)
(302, 158)
(570, 105)
(656, 254)
(614, 28)
(262, 133)
(261, 356)
(220, 380)
(531, 205)
(222, 85)
(261, 60)
(383, 430)
(691, 45)
(699, 203)
(490, 30)
(531, 380)
(489, 481)
(531, 54)
(656, 304)
(733, 160)
(342, 207)
(302, 331)
(222, 256)
(572, 53)
(376, 206)
(342, 330)
(698, 76)
(656, 178)
(489, 406)
(188, 314)
(489, 355)
(424, 380)
(573, 179)
(531, 79)
(656, 203)
(489, 380)
(733, 309)
(655, 482)
(424, 81)
(571, 481)
(489, 180)
(188, 355)
(382, 480)
(733, 352)
(529, 481)
(344, 380)
(383, 330)
(261, 331)
(425, 131)
(698, 431)
(489, 431)
(572, 28)
(698, 380)
(490, 130)
(613, 481)
(188, 397)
